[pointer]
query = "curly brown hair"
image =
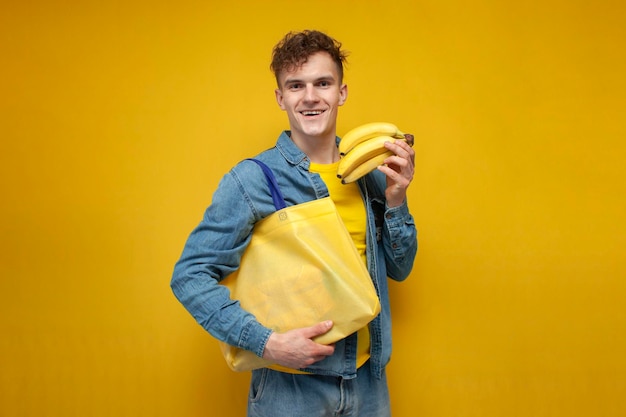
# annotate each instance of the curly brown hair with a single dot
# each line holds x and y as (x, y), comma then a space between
(296, 47)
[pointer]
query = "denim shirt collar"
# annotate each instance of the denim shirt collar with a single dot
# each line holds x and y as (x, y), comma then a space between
(290, 151)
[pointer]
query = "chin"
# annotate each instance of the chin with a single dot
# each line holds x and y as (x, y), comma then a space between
(316, 134)
(316, 130)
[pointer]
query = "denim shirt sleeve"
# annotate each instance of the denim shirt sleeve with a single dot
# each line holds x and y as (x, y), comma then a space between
(212, 251)
(399, 240)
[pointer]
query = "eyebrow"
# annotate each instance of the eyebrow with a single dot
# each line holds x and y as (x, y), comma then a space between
(318, 79)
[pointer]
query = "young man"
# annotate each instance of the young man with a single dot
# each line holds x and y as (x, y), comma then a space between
(347, 378)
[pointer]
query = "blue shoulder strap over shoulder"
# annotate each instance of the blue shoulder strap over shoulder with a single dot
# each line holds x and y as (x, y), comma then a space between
(277, 195)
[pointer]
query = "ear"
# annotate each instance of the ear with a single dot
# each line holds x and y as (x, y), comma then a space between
(279, 98)
(343, 94)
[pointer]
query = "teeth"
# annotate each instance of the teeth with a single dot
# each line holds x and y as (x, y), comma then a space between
(311, 112)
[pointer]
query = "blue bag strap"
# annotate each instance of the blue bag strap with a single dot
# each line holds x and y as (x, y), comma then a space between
(277, 195)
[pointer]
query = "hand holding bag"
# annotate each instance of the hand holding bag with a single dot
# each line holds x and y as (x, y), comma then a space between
(300, 268)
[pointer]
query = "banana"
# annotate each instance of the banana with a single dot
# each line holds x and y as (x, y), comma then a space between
(361, 153)
(365, 132)
(366, 167)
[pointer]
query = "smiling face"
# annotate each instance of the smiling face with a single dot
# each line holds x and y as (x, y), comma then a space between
(311, 95)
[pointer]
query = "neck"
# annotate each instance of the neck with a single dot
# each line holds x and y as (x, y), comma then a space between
(319, 150)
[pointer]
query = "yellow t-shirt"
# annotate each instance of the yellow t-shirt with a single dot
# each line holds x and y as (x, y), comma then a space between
(349, 203)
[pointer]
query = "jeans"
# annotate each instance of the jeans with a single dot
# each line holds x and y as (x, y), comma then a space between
(279, 394)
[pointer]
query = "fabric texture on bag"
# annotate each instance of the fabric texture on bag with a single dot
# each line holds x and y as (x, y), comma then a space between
(301, 267)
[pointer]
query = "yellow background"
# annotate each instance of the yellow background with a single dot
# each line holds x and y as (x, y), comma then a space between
(118, 118)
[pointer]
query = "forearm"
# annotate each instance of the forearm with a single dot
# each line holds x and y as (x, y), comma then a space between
(212, 252)
(400, 241)
(210, 304)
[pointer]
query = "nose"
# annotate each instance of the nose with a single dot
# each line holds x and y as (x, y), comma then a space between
(309, 93)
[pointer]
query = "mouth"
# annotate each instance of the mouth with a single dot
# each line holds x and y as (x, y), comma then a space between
(311, 113)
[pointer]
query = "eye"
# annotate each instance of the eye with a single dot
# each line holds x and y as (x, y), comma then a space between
(295, 86)
(324, 83)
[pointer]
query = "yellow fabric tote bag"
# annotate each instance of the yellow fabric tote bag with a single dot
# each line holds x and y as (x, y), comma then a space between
(301, 267)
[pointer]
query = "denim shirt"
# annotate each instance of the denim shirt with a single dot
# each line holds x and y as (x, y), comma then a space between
(214, 249)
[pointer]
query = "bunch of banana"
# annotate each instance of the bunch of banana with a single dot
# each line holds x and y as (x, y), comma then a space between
(363, 149)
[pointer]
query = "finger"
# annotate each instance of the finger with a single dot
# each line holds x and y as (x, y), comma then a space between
(398, 145)
(398, 170)
(318, 329)
(395, 176)
(402, 149)
(400, 164)
(325, 350)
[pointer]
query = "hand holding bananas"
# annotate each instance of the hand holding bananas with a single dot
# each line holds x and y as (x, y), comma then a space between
(380, 146)
(363, 149)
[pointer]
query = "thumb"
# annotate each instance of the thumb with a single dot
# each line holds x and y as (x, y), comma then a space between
(319, 329)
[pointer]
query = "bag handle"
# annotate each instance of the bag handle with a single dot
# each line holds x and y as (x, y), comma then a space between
(277, 195)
